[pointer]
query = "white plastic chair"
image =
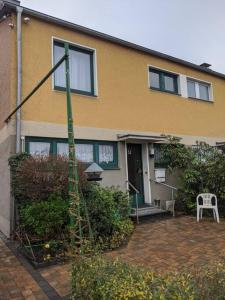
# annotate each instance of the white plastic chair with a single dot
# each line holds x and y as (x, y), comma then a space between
(208, 204)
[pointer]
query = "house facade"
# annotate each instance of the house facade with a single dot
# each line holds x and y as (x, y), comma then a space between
(125, 99)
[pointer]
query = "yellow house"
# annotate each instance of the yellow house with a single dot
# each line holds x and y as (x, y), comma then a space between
(125, 99)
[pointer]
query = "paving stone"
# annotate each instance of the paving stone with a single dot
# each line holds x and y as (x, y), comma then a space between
(175, 244)
(15, 281)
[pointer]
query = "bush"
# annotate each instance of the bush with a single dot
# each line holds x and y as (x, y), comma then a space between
(46, 219)
(108, 210)
(36, 178)
(202, 171)
(96, 278)
(100, 278)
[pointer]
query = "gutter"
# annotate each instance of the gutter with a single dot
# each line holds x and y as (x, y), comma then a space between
(115, 40)
(19, 10)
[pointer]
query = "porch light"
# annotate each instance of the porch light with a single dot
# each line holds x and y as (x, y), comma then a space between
(94, 172)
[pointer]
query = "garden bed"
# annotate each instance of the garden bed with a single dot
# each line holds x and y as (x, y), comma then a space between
(42, 253)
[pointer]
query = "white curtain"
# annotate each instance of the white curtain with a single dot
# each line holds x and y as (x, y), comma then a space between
(62, 149)
(60, 79)
(39, 148)
(80, 71)
(84, 152)
(105, 153)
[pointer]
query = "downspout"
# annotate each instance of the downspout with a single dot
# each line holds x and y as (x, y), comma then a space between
(19, 78)
(18, 115)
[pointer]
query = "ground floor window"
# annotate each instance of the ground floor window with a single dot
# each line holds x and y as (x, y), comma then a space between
(104, 153)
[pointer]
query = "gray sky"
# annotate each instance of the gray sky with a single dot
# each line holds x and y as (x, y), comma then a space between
(193, 30)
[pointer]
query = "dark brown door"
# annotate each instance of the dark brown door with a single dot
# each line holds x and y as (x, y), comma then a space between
(135, 172)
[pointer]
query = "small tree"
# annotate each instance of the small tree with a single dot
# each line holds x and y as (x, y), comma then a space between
(202, 170)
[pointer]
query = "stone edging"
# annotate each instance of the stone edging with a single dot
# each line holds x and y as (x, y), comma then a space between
(50, 292)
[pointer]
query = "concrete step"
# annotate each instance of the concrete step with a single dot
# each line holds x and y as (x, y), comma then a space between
(147, 211)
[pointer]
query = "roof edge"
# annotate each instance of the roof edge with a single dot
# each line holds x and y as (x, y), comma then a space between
(113, 39)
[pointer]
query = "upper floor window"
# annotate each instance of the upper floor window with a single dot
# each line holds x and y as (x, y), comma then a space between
(163, 81)
(198, 89)
(81, 69)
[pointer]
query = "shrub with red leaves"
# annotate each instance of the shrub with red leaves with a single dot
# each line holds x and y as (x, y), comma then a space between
(36, 178)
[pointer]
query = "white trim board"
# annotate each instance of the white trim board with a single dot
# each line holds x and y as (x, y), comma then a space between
(45, 129)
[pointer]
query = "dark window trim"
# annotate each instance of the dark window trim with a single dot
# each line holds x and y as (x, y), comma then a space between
(162, 75)
(82, 50)
(53, 148)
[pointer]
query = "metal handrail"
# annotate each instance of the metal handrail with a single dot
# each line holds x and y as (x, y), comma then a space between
(173, 188)
(133, 187)
(136, 198)
(167, 185)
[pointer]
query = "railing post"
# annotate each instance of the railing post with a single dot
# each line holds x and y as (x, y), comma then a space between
(173, 203)
(136, 198)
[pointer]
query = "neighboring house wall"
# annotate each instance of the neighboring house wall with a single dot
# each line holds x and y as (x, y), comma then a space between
(7, 140)
(5, 70)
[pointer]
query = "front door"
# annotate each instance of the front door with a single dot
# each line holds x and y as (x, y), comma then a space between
(135, 172)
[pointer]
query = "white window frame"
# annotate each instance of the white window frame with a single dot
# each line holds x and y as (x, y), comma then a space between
(197, 91)
(57, 39)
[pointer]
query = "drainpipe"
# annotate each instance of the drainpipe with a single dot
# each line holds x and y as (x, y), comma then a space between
(18, 116)
(19, 78)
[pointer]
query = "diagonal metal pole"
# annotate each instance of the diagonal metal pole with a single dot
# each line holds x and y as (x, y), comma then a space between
(74, 199)
(75, 219)
(36, 88)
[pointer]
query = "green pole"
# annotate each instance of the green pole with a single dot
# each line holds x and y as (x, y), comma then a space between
(75, 221)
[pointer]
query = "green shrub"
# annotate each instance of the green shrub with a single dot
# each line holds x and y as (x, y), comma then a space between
(97, 278)
(100, 278)
(108, 210)
(201, 171)
(46, 219)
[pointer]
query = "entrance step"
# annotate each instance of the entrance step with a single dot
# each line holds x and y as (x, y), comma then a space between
(147, 211)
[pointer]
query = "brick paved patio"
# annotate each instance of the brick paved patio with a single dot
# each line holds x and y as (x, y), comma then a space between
(161, 244)
(15, 282)
(175, 244)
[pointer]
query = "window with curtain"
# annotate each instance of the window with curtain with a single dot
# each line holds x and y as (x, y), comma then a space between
(106, 154)
(84, 152)
(81, 69)
(163, 81)
(62, 149)
(39, 148)
(198, 90)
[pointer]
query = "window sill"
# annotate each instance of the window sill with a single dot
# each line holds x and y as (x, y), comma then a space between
(81, 93)
(166, 92)
(202, 100)
(109, 168)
